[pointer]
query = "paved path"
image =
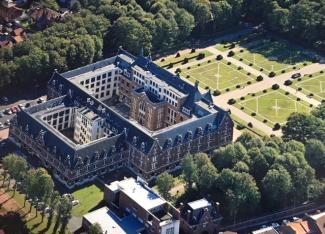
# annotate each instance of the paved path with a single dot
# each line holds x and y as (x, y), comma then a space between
(256, 87)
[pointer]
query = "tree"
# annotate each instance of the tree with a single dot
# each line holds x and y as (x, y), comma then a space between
(16, 166)
(315, 155)
(189, 170)
(165, 183)
(64, 212)
(206, 172)
(240, 191)
(53, 202)
(185, 22)
(95, 229)
(277, 184)
(302, 127)
(249, 140)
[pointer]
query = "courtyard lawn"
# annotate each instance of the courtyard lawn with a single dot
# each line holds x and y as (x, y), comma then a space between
(274, 106)
(218, 75)
(312, 85)
(277, 56)
(165, 62)
(89, 197)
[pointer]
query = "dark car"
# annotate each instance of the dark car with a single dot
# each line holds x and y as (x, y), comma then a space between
(296, 75)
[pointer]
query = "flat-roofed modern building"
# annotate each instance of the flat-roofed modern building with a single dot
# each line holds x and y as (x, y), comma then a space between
(121, 112)
(134, 197)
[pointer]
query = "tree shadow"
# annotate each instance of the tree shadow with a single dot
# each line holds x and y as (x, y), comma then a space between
(48, 225)
(36, 225)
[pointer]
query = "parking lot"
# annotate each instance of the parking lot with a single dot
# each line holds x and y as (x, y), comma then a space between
(16, 100)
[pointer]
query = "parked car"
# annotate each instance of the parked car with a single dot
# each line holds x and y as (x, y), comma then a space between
(13, 109)
(1, 125)
(75, 202)
(275, 225)
(27, 104)
(296, 75)
(1, 114)
(7, 122)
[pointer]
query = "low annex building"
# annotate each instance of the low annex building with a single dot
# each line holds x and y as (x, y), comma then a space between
(123, 111)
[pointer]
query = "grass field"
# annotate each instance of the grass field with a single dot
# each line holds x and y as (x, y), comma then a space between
(276, 56)
(178, 60)
(313, 86)
(89, 197)
(272, 107)
(218, 75)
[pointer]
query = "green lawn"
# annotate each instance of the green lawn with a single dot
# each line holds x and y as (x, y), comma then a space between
(276, 56)
(178, 60)
(218, 75)
(272, 107)
(89, 197)
(314, 85)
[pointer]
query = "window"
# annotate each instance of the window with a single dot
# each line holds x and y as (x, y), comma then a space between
(93, 79)
(98, 84)
(92, 86)
(87, 81)
(104, 75)
(170, 230)
(103, 81)
(107, 93)
(108, 86)
(109, 74)
(98, 78)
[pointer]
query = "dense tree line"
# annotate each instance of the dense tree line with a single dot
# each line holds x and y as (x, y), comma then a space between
(38, 187)
(254, 175)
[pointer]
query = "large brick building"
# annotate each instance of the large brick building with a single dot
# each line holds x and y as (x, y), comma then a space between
(124, 111)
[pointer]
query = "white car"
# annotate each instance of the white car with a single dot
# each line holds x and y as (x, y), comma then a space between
(1, 125)
(75, 202)
(275, 225)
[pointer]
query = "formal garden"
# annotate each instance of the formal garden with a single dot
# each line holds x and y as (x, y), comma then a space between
(218, 75)
(312, 85)
(272, 107)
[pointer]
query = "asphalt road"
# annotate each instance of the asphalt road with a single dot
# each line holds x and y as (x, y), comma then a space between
(18, 96)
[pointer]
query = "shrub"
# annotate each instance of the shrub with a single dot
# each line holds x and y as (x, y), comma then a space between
(237, 86)
(264, 91)
(321, 72)
(250, 125)
(323, 101)
(311, 94)
(299, 79)
(277, 126)
(272, 74)
(199, 65)
(240, 127)
(242, 108)
(185, 60)
(288, 82)
(311, 75)
(229, 63)
(249, 82)
(188, 68)
(227, 89)
(259, 78)
(294, 68)
(216, 92)
(231, 101)
(239, 68)
(298, 99)
(299, 89)
(241, 51)
(178, 70)
(219, 57)
(242, 98)
(283, 71)
(209, 61)
(287, 93)
(253, 94)
(248, 73)
(253, 114)
(201, 56)
(250, 64)
(261, 69)
(241, 59)
(231, 53)
(170, 65)
(311, 105)
(207, 87)
(188, 76)
(275, 86)
(178, 55)
(264, 120)
(232, 45)
(305, 64)
(162, 60)
(192, 50)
